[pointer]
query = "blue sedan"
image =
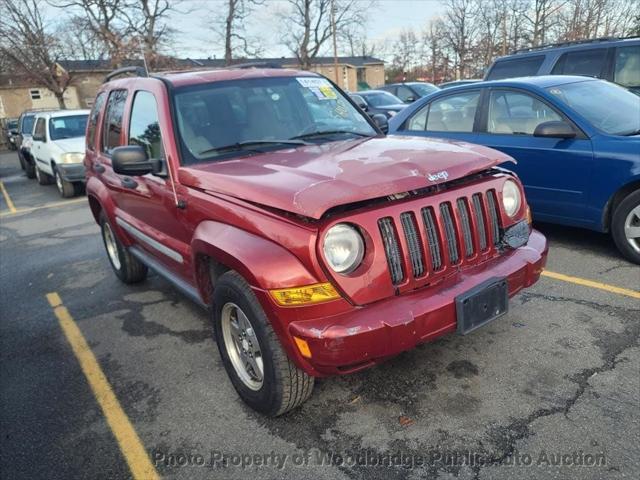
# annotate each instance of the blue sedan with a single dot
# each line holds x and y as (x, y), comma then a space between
(576, 141)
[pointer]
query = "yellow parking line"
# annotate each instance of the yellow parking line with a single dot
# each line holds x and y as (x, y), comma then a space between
(46, 205)
(126, 436)
(590, 283)
(7, 198)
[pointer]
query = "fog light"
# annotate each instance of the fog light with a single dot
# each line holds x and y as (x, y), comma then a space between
(320, 292)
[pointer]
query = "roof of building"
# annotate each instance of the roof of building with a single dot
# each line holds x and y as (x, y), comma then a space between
(105, 65)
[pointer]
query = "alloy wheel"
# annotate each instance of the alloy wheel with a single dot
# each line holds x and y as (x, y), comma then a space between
(112, 246)
(242, 346)
(632, 228)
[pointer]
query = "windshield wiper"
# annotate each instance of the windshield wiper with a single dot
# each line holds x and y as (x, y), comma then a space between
(329, 132)
(250, 145)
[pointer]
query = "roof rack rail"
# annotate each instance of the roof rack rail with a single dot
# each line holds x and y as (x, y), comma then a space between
(568, 43)
(138, 71)
(254, 65)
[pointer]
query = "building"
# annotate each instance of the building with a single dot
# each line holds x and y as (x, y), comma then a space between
(16, 95)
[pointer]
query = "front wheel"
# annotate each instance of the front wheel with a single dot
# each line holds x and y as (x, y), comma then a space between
(126, 267)
(259, 369)
(625, 227)
(43, 178)
(66, 189)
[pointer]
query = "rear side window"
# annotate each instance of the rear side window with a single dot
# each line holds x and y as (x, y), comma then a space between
(93, 121)
(627, 72)
(113, 120)
(144, 128)
(585, 62)
(518, 67)
(40, 130)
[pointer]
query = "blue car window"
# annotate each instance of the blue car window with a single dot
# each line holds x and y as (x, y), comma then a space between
(517, 113)
(454, 113)
(419, 121)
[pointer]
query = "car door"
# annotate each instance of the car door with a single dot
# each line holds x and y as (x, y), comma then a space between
(554, 171)
(146, 207)
(451, 116)
(39, 146)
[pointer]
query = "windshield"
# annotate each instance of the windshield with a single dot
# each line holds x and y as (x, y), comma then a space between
(262, 114)
(424, 89)
(380, 99)
(67, 127)
(27, 124)
(608, 107)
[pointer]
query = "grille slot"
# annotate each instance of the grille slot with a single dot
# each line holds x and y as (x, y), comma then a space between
(392, 249)
(463, 211)
(493, 216)
(432, 238)
(413, 242)
(450, 231)
(479, 213)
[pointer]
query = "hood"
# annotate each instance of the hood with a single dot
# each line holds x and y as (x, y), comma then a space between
(68, 145)
(310, 180)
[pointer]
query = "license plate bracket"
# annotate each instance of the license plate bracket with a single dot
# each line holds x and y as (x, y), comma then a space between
(482, 304)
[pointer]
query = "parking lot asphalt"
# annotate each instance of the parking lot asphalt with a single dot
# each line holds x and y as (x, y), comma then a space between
(549, 391)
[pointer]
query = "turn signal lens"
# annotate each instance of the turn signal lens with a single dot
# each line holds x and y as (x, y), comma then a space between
(303, 346)
(320, 292)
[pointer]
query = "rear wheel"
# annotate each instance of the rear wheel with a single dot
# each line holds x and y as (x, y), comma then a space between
(127, 267)
(625, 227)
(259, 369)
(66, 189)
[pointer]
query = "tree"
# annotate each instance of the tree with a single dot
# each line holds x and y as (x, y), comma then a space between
(460, 27)
(308, 24)
(231, 29)
(29, 44)
(147, 19)
(405, 54)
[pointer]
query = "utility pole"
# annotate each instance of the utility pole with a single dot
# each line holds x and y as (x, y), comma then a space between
(335, 42)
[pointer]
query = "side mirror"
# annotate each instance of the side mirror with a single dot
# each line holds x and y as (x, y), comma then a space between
(132, 160)
(381, 121)
(363, 106)
(39, 138)
(554, 129)
(14, 132)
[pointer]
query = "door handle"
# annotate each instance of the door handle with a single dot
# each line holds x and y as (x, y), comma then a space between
(128, 182)
(98, 167)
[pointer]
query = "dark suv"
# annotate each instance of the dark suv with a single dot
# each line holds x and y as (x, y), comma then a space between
(616, 60)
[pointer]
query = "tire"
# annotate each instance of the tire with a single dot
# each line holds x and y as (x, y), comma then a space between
(126, 267)
(21, 160)
(283, 386)
(43, 178)
(30, 167)
(625, 217)
(66, 189)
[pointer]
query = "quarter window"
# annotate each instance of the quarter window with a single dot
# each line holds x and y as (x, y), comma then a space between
(517, 113)
(627, 72)
(113, 120)
(585, 62)
(93, 121)
(144, 128)
(454, 113)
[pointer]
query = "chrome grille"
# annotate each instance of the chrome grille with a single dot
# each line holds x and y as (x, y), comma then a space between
(413, 243)
(392, 249)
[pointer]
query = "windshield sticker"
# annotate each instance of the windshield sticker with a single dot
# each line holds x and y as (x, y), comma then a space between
(320, 87)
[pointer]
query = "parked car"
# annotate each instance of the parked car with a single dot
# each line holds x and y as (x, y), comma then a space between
(457, 83)
(616, 60)
(321, 246)
(576, 141)
(26, 122)
(378, 102)
(410, 91)
(58, 149)
(11, 133)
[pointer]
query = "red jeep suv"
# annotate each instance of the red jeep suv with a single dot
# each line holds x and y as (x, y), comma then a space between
(320, 245)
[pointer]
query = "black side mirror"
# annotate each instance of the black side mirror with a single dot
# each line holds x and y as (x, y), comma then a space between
(381, 121)
(132, 160)
(554, 129)
(39, 138)
(363, 106)
(13, 132)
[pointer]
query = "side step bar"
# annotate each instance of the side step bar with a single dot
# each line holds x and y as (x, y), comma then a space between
(161, 270)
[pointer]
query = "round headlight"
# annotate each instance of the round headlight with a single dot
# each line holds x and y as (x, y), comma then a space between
(343, 248)
(511, 198)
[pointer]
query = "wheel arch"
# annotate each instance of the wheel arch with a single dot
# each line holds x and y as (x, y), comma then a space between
(615, 199)
(218, 247)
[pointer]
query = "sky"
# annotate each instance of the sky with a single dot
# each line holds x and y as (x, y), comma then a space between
(193, 24)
